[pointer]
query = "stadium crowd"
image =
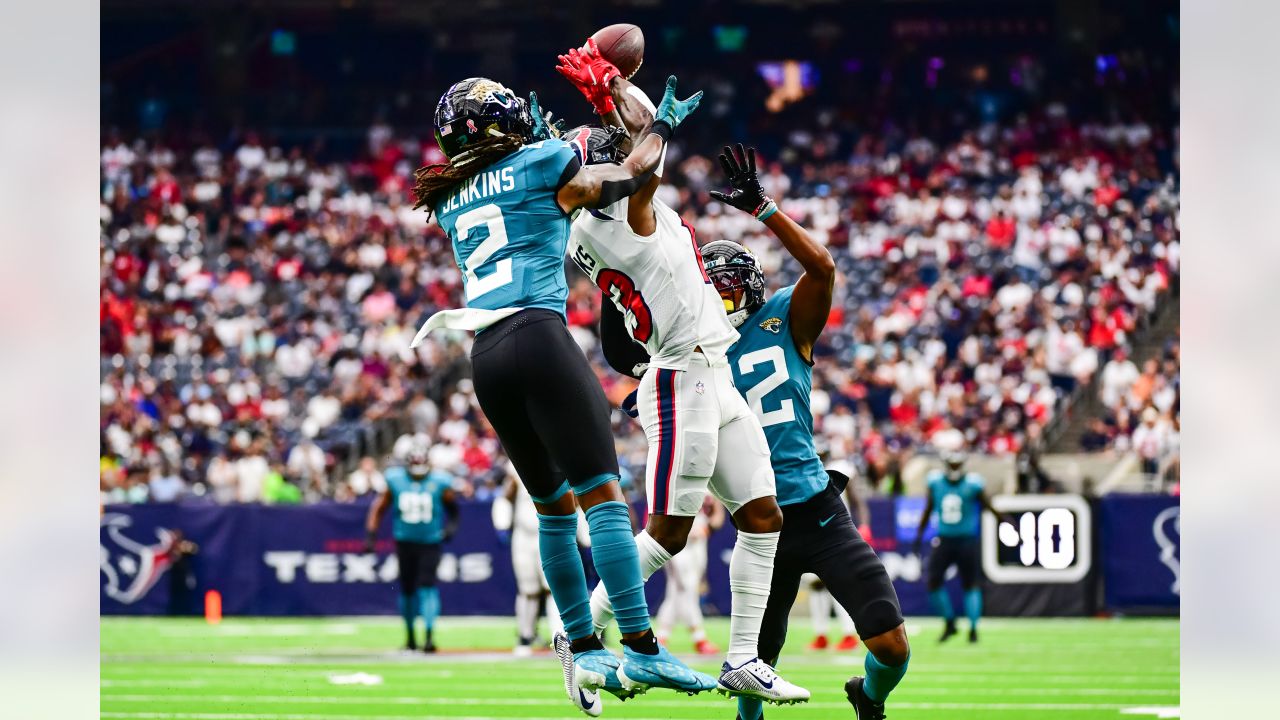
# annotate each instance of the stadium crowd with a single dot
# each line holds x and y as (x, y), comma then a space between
(257, 301)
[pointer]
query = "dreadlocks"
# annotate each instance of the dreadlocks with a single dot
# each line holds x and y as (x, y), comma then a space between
(433, 182)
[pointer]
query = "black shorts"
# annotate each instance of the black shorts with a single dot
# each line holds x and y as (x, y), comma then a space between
(818, 536)
(963, 552)
(418, 563)
(544, 401)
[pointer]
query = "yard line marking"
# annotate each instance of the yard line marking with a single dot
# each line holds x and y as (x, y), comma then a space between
(517, 702)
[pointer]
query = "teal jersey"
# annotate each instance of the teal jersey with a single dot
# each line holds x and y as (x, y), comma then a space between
(418, 505)
(509, 234)
(776, 381)
(956, 503)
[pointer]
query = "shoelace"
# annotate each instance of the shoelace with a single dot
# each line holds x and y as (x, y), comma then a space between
(764, 671)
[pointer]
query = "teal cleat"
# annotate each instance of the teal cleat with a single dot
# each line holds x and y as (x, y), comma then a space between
(640, 672)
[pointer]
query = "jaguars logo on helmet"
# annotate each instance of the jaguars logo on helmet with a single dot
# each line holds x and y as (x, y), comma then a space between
(732, 267)
(479, 108)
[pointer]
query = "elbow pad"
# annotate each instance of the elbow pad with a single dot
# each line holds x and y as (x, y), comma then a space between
(502, 513)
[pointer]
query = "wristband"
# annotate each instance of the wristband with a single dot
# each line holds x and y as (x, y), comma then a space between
(662, 129)
(766, 209)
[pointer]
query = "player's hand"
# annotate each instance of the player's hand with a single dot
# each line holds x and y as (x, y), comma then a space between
(629, 404)
(740, 168)
(587, 69)
(672, 111)
(544, 128)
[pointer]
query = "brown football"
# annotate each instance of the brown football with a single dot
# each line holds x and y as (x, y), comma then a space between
(622, 45)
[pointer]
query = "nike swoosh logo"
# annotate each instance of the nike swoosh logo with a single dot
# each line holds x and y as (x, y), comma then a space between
(586, 702)
(823, 523)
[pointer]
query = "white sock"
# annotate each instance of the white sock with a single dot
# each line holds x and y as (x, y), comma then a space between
(526, 616)
(652, 557)
(553, 616)
(819, 610)
(846, 622)
(750, 574)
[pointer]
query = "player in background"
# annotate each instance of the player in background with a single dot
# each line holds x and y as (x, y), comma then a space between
(773, 368)
(516, 520)
(425, 515)
(959, 498)
(504, 199)
(685, 573)
(701, 433)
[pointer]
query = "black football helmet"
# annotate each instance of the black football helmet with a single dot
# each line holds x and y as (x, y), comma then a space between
(596, 145)
(731, 267)
(479, 108)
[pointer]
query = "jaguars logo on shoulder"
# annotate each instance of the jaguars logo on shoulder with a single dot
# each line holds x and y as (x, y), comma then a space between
(773, 325)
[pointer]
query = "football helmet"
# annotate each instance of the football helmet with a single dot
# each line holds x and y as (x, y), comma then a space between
(732, 267)
(478, 108)
(596, 145)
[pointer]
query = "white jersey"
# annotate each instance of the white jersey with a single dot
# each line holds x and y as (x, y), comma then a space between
(657, 282)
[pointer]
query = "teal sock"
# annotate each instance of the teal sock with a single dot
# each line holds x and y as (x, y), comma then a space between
(408, 611)
(973, 606)
(941, 603)
(613, 549)
(882, 679)
(561, 563)
(429, 601)
(750, 709)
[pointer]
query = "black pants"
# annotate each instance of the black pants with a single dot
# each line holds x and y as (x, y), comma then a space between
(418, 563)
(544, 401)
(963, 552)
(818, 536)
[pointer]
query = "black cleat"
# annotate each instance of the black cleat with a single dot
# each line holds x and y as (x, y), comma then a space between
(429, 644)
(973, 635)
(864, 707)
(948, 632)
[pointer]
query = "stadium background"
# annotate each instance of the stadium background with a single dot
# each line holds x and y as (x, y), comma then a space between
(998, 183)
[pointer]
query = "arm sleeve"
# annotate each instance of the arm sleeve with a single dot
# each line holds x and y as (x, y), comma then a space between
(620, 351)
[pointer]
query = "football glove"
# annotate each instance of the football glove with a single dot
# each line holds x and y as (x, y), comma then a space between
(591, 74)
(544, 128)
(748, 194)
(672, 111)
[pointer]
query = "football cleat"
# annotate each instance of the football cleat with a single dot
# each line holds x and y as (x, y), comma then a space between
(639, 672)
(706, 647)
(973, 635)
(864, 707)
(819, 643)
(850, 642)
(948, 631)
(754, 678)
(585, 699)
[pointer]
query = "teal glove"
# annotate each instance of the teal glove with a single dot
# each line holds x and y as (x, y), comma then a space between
(541, 130)
(673, 111)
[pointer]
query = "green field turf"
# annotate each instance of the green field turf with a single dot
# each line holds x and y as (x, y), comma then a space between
(283, 669)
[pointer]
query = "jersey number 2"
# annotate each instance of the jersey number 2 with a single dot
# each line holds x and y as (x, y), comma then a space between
(490, 216)
(774, 356)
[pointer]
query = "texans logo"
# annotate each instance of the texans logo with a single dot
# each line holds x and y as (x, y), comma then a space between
(1167, 530)
(129, 568)
(773, 325)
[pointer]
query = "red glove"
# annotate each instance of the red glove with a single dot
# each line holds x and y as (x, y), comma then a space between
(591, 74)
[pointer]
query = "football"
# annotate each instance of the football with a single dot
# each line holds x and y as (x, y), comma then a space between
(622, 45)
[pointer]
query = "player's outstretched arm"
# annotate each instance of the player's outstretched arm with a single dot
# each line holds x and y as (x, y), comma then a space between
(376, 511)
(596, 186)
(924, 523)
(811, 299)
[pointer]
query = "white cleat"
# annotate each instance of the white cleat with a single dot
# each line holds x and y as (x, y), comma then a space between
(755, 679)
(588, 701)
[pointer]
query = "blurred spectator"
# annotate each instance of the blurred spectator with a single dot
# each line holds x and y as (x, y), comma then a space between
(366, 479)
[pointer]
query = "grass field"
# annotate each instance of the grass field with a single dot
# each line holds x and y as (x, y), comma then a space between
(287, 669)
